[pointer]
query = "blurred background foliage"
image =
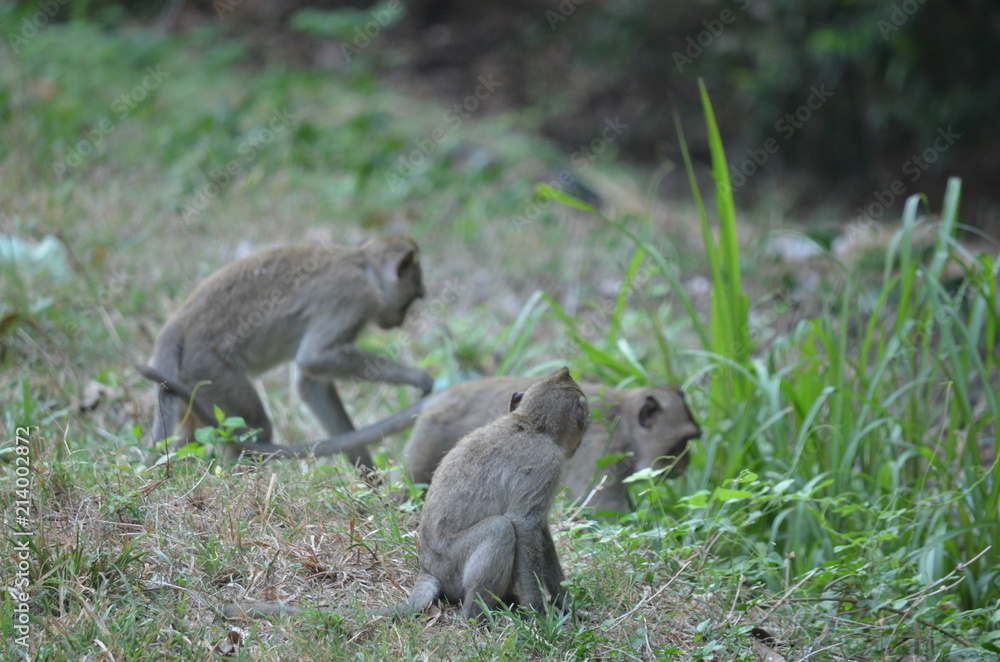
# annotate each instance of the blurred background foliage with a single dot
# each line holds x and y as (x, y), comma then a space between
(895, 73)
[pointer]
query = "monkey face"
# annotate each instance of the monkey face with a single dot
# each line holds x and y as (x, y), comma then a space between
(662, 429)
(402, 280)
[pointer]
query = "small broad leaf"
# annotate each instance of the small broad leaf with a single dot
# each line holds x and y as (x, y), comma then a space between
(726, 494)
(204, 436)
(608, 460)
(783, 486)
(648, 473)
(697, 500)
(234, 422)
(194, 448)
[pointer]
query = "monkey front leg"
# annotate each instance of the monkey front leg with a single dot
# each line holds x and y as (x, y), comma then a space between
(350, 361)
(530, 566)
(552, 572)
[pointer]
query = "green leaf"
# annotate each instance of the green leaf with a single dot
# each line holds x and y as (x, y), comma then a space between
(234, 422)
(726, 494)
(608, 460)
(697, 500)
(547, 191)
(205, 435)
(648, 473)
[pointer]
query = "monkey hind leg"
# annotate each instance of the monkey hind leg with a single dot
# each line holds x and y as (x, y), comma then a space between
(233, 393)
(165, 419)
(487, 577)
(425, 591)
(326, 406)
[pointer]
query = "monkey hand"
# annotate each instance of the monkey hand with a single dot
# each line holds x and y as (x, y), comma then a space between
(424, 382)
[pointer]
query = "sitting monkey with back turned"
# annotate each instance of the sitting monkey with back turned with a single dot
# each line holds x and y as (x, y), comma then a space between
(484, 532)
(305, 304)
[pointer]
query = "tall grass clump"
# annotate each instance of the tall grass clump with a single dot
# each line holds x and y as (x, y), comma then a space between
(863, 438)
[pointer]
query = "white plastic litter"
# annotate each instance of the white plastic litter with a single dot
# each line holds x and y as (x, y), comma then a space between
(47, 257)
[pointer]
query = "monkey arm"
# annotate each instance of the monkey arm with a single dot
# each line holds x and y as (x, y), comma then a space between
(390, 425)
(530, 571)
(347, 360)
(552, 572)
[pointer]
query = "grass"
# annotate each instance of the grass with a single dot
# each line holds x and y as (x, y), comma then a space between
(844, 497)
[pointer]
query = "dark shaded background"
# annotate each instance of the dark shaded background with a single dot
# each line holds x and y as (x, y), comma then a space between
(894, 79)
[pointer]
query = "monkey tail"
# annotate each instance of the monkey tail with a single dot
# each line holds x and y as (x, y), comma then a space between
(247, 610)
(345, 442)
(426, 590)
(179, 389)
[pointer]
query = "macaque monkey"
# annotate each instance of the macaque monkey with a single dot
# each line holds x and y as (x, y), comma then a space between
(305, 304)
(484, 532)
(652, 424)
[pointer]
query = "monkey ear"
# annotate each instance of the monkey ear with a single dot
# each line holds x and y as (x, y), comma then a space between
(650, 408)
(405, 264)
(515, 400)
(580, 412)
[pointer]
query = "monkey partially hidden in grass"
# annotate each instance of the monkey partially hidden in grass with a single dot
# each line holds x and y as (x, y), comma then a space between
(484, 532)
(305, 304)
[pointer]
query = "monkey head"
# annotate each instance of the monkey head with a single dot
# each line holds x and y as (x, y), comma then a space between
(661, 429)
(394, 264)
(556, 406)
